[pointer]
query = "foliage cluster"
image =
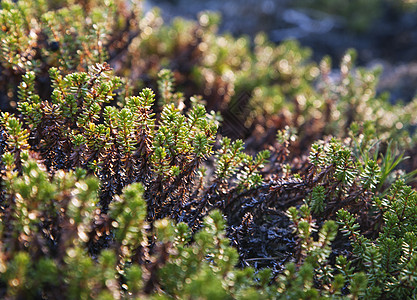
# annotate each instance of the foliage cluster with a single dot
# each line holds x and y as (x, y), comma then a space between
(111, 191)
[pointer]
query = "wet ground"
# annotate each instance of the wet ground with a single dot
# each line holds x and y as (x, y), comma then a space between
(390, 40)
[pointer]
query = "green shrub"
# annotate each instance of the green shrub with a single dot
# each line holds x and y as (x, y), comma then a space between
(111, 191)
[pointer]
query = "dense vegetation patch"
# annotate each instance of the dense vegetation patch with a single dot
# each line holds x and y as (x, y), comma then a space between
(143, 160)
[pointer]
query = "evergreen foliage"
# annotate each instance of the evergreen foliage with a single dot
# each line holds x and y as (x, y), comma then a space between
(111, 191)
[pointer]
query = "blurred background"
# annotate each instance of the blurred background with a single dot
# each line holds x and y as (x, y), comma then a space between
(384, 32)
